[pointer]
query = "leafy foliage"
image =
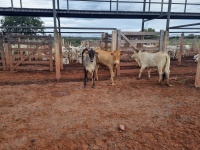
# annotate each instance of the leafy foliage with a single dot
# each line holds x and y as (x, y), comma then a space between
(20, 21)
(76, 41)
(150, 36)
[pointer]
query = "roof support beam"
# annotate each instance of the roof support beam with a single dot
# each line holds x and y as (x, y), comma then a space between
(176, 27)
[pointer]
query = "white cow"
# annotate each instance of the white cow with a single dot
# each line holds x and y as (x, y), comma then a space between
(75, 54)
(185, 50)
(172, 51)
(196, 57)
(148, 60)
(65, 55)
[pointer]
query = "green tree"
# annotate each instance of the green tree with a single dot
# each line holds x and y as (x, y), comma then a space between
(149, 30)
(191, 36)
(20, 21)
(150, 36)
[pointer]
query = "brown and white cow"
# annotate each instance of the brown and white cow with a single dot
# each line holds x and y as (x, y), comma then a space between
(109, 59)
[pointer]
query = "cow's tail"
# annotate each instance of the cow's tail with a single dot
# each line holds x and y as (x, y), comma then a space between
(167, 68)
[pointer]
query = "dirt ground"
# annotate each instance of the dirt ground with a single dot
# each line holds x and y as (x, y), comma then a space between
(38, 112)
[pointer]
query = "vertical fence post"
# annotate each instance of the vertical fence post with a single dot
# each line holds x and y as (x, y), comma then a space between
(60, 49)
(164, 49)
(56, 43)
(114, 40)
(161, 40)
(197, 78)
(119, 39)
(57, 54)
(2, 51)
(118, 48)
(180, 49)
(10, 57)
(50, 54)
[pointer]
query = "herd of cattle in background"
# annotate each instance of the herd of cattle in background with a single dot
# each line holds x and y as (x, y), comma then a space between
(92, 57)
(74, 54)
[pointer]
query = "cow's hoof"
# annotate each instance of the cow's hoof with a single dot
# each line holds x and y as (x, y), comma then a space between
(138, 78)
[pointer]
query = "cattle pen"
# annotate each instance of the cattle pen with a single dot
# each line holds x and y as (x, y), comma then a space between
(44, 105)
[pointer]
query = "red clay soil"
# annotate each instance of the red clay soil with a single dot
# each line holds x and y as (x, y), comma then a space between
(38, 112)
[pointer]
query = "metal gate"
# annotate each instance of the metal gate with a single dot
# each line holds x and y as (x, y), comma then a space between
(28, 52)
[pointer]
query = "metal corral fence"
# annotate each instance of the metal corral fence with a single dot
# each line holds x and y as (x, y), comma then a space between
(26, 52)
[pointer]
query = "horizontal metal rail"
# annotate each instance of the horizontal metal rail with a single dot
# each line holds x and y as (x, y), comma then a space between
(61, 32)
(94, 14)
(35, 27)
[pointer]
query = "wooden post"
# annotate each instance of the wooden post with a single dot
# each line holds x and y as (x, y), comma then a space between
(180, 49)
(57, 54)
(197, 78)
(164, 49)
(6, 54)
(161, 42)
(10, 59)
(118, 39)
(118, 48)
(50, 54)
(2, 53)
(106, 41)
(102, 46)
(114, 40)
(60, 49)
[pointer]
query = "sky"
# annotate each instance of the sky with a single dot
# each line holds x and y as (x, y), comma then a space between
(122, 24)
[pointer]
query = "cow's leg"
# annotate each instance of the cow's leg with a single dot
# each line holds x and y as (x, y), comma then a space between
(141, 70)
(96, 72)
(160, 74)
(167, 77)
(93, 84)
(85, 77)
(114, 69)
(149, 73)
(112, 76)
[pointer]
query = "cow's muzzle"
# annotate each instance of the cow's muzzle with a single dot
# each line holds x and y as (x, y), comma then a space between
(116, 62)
